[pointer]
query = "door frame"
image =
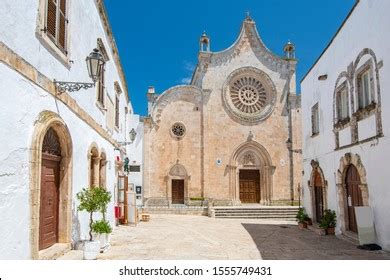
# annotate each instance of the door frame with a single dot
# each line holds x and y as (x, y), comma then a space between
(312, 184)
(345, 162)
(44, 121)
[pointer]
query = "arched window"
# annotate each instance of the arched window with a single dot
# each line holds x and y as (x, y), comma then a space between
(102, 170)
(94, 167)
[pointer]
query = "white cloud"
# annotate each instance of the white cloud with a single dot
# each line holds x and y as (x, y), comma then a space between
(186, 80)
(189, 68)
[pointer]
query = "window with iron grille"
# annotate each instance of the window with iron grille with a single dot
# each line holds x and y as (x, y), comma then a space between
(117, 111)
(56, 22)
(315, 120)
(135, 168)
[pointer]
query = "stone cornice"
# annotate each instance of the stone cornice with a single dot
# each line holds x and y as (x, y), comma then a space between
(18, 64)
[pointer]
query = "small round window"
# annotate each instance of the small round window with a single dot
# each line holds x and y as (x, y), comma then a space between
(178, 130)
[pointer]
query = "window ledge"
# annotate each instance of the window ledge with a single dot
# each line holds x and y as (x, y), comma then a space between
(101, 107)
(365, 112)
(314, 135)
(53, 48)
(341, 124)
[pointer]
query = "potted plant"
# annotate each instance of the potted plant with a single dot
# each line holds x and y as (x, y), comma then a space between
(102, 227)
(89, 202)
(301, 218)
(309, 221)
(328, 221)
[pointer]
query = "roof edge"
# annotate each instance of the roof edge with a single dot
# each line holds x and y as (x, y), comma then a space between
(331, 41)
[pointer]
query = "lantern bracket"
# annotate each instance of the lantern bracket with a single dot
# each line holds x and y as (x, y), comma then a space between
(71, 86)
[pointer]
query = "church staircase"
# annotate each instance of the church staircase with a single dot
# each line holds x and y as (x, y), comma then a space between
(285, 213)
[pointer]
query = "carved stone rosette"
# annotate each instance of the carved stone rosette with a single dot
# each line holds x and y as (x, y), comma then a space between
(249, 95)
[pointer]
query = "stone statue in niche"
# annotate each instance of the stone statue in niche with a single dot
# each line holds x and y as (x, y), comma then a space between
(249, 159)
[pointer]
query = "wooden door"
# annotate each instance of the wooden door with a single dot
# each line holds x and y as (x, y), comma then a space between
(49, 201)
(354, 196)
(249, 186)
(318, 196)
(177, 191)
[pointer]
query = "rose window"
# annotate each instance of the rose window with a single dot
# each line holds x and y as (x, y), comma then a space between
(249, 95)
(178, 130)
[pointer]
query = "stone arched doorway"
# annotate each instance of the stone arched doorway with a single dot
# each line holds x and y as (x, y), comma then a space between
(318, 191)
(352, 190)
(354, 196)
(177, 185)
(251, 172)
(50, 184)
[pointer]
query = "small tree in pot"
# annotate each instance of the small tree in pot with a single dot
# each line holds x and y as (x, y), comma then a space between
(90, 202)
(328, 221)
(302, 218)
(102, 227)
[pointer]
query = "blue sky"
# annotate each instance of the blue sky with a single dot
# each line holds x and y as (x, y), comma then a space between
(158, 40)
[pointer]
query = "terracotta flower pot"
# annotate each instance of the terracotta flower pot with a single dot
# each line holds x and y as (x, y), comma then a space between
(330, 231)
(302, 225)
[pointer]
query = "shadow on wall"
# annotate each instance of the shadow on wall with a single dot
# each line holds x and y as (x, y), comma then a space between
(75, 228)
(287, 242)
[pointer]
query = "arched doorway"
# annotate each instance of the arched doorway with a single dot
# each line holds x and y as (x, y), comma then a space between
(177, 184)
(50, 184)
(50, 190)
(251, 172)
(318, 196)
(354, 195)
(318, 191)
(352, 190)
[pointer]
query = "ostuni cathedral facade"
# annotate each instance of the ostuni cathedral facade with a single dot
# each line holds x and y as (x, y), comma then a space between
(233, 135)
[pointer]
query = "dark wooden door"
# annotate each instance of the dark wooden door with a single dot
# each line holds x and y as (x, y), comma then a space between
(49, 201)
(354, 196)
(318, 196)
(177, 191)
(249, 186)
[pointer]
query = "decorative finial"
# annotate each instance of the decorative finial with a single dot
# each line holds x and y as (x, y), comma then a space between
(248, 16)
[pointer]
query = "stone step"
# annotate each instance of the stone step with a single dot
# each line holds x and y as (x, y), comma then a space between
(261, 212)
(256, 217)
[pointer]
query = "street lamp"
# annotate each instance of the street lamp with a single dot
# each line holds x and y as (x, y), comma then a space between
(95, 64)
(132, 135)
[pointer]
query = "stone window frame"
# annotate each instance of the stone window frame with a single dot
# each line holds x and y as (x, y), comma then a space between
(375, 108)
(178, 137)
(365, 111)
(101, 89)
(97, 166)
(315, 120)
(62, 55)
(343, 88)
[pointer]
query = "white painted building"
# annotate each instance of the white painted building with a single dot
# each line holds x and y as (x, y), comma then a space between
(52, 144)
(135, 154)
(346, 115)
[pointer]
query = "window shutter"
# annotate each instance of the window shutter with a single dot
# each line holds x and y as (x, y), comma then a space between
(63, 23)
(51, 21)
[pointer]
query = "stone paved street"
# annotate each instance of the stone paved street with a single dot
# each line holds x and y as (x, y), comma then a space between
(195, 237)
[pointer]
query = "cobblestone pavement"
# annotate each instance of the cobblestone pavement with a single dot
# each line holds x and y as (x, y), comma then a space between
(195, 237)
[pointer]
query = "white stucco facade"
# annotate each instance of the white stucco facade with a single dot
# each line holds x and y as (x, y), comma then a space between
(28, 66)
(362, 139)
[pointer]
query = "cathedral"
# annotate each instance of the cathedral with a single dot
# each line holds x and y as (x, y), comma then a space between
(230, 137)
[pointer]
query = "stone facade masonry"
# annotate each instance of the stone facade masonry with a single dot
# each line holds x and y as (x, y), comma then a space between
(212, 149)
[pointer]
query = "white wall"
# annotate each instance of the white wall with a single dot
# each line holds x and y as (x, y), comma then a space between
(367, 27)
(22, 102)
(135, 152)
